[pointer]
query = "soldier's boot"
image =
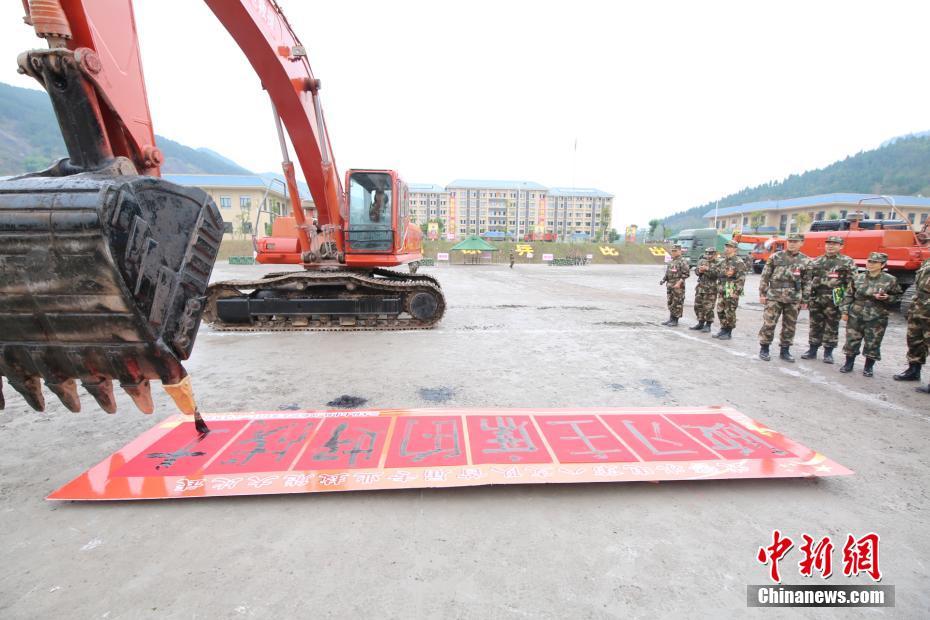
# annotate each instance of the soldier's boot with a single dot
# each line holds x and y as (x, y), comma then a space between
(828, 355)
(911, 374)
(700, 325)
(706, 328)
(869, 366)
(786, 355)
(925, 390)
(848, 366)
(764, 353)
(811, 353)
(725, 333)
(671, 320)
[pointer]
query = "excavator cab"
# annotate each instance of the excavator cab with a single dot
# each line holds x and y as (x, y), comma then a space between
(371, 212)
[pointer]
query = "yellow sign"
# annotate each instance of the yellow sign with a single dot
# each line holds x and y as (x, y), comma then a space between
(523, 249)
(658, 250)
(606, 250)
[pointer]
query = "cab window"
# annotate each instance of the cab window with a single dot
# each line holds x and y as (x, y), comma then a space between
(371, 211)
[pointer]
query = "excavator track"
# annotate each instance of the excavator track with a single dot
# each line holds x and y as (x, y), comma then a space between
(375, 300)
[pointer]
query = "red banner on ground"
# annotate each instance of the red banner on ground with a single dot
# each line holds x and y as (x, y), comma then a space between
(312, 451)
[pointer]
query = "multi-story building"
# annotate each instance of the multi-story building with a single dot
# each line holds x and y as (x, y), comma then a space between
(240, 197)
(783, 215)
(512, 209)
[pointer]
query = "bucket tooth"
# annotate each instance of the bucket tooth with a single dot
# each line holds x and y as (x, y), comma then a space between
(102, 391)
(141, 395)
(31, 389)
(67, 393)
(182, 393)
(2, 402)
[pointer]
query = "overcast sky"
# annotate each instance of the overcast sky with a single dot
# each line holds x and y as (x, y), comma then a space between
(672, 104)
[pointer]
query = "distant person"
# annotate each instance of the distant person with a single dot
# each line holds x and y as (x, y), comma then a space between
(783, 290)
(831, 276)
(918, 328)
(865, 310)
(378, 204)
(731, 280)
(705, 293)
(676, 272)
(512, 259)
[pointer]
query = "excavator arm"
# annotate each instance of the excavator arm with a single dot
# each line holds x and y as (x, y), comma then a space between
(103, 266)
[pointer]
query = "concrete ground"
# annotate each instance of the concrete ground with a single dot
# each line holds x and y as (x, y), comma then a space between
(532, 336)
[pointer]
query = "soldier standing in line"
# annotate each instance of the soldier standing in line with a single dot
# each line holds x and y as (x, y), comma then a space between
(676, 272)
(783, 290)
(705, 293)
(730, 281)
(865, 310)
(918, 328)
(831, 275)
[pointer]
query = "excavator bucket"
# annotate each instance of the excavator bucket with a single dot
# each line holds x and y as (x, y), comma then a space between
(102, 279)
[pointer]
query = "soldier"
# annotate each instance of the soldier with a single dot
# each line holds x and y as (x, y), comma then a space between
(730, 281)
(676, 272)
(512, 259)
(865, 310)
(705, 293)
(831, 275)
(918, 328)
(783, 290)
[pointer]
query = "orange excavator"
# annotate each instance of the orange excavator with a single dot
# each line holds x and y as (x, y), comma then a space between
(105, 267)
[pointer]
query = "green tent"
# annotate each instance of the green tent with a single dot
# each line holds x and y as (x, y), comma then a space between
(474, 243)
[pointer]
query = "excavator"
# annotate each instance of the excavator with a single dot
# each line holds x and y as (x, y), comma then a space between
(105, 267)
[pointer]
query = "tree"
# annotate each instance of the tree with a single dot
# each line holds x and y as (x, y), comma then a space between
(613, 235)
(833, 215)
(802, 221)
(756, 220)
(604, 224)
(653, 224)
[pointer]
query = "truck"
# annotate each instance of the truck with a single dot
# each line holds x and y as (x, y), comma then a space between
(694, 241)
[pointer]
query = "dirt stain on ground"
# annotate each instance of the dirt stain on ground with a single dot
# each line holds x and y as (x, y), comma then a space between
(616, 387)
(654, 388)
(347, 402)
(289, 407)
(621, 323)
(437, 394)
(582, 308)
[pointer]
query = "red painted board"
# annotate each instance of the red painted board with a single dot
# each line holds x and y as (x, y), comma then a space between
(316, 451)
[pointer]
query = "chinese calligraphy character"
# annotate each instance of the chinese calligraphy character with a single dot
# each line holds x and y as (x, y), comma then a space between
(508, 437)
(258, 482)
(260, 437)
(729, 436)
(656, 437)
(402, 476)
(185, 484)
(773, 553)
(819, 557)
(367, 477)
(435, 475)
(329, 480)
(331, 452)
(297, 480)
(861, 556)
(446, 442)
(224, 484)
(470, 473)
(592, 450)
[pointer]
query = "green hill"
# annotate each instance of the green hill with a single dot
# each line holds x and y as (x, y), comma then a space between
(901, 166)
(30, 139)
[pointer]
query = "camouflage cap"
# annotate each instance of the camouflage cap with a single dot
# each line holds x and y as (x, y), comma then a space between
(675, 246)
(731, 243)
(835, 239)
(878, 257)
(710, 250)
(795, 237)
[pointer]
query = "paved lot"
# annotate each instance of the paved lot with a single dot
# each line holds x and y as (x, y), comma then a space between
(532, 336)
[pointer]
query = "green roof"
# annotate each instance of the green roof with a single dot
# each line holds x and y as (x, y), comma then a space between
(474, 243)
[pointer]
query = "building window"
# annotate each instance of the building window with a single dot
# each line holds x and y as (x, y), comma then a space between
(911, 217)
(843, 213)
(227, 228)
(783, 223)
(923, 218)
(879, 215)
(226, 202)
(820, 215)
(245, 202)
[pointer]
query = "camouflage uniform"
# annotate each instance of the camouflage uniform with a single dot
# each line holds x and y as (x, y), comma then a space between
(831, 277)
(785, 284)
(867, 316)
(918, 318)
(676, 272)
(730, 281)
(705, 293)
